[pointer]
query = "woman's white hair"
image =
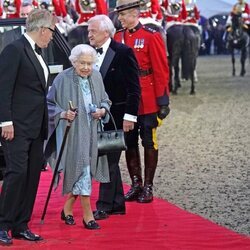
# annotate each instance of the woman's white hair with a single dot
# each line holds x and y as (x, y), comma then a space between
(82, 49)
(105, 23)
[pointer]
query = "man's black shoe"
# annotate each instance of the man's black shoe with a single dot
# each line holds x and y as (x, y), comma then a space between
(5, 239)
(117, 212)
(100, 215)
(26, 235)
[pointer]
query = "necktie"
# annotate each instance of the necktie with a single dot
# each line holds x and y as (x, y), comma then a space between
(99, 50)
(38, 49)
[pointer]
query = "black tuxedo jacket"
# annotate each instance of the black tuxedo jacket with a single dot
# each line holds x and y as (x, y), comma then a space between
(120, 75)
(23, 90)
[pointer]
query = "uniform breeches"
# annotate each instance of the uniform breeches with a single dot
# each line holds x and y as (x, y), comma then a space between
(145, 127)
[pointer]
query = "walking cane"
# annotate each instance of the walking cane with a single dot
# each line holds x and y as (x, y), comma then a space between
(58, 162)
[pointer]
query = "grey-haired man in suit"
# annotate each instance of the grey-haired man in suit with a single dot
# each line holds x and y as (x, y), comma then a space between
(23, 124)
(119, 69)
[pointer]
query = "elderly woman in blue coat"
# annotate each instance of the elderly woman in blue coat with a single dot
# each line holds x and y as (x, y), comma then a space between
(83, 86)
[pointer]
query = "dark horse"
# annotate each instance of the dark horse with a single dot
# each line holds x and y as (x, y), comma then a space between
(237, 38)
(183, 44)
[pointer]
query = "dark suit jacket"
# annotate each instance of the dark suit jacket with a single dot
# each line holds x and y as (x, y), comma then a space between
(23, 90)
(121, 80)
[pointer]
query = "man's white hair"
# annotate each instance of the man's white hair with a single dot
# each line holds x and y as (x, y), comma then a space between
(105, 23)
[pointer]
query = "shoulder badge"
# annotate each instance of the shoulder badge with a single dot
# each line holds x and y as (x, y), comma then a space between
(148, 29)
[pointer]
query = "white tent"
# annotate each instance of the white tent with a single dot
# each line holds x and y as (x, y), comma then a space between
(209, 8)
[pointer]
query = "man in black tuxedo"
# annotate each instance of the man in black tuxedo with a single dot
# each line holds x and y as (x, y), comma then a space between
(23, 124)
(119, 69)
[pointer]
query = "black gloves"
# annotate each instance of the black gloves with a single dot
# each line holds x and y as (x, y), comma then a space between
(163, 112)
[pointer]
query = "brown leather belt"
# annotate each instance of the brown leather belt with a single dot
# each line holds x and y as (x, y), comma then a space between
(145, 72)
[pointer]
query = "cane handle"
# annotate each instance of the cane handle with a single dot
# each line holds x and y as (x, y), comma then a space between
(71, 106)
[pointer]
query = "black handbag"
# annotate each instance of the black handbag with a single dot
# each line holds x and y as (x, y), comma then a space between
(111, 140)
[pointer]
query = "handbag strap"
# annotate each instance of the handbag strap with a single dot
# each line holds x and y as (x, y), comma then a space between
(112, 118)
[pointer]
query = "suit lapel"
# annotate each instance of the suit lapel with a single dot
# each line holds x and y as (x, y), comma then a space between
(107, 61)
(38, 67)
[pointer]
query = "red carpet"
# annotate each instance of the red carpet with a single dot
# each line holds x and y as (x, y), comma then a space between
(159, 225)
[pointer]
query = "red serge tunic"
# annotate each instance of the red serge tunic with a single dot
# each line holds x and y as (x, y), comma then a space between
(150, 53)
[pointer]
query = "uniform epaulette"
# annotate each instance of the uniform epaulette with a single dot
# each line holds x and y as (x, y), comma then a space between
(120, 30)
(148, 29)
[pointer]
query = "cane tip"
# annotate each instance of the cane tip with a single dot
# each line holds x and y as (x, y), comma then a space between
(42, 222)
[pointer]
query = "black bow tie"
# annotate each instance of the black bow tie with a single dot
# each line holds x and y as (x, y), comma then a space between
(100, 50)
(38, 49)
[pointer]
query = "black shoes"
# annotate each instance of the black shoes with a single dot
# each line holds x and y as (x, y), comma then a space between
(100, 215)
(133, 193)
(5, 239)
(92, 225)
(69, 219)
(147, 194)
(117, 212)
(26, 235)
(139, 194)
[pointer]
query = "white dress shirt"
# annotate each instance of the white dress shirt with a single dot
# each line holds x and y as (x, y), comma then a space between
(100, 57)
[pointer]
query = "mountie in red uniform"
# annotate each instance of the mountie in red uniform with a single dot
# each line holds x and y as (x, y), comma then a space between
(150, 53)
(89, 8)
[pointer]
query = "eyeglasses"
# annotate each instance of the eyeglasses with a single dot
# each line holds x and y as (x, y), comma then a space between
(53, 31)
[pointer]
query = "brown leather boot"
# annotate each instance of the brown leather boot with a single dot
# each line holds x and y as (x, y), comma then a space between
(134, 169)
(150, 159)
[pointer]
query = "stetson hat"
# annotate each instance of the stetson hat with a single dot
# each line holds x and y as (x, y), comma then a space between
(122, 5)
